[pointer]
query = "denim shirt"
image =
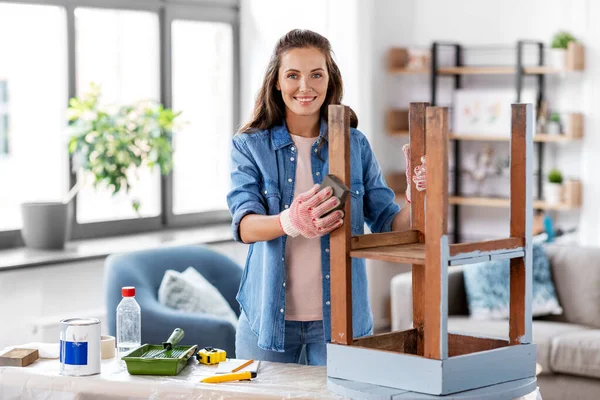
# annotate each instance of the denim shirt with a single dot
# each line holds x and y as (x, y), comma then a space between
(263, 176)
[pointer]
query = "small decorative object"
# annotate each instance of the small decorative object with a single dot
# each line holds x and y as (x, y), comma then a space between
(418, 58)
(397, 121)
(554, 187)
(405, 58)
(485, 171)
(572, 192)
(110, 143)
(542, 118)
(554, 125)
(560, 43)
(397, 58)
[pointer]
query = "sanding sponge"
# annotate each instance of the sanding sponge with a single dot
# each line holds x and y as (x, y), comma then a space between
(340, 190)
(19, 357)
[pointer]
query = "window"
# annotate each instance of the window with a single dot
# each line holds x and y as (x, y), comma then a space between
(119, 50)
(184, 56)
(33, 99)
(202, 71)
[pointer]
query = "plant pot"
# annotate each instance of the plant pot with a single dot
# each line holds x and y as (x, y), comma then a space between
(553, 193)
(558, 58)
(45, 225)
(553, 128)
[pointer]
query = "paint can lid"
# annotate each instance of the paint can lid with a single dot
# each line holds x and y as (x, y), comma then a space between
(128, 291)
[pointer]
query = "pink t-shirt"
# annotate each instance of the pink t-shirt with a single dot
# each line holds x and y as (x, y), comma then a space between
(304, 291)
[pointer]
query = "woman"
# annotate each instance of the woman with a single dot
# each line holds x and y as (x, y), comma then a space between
(279, 159)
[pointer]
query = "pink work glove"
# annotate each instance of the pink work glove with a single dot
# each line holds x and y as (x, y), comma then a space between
(419, 176)
(305, 215)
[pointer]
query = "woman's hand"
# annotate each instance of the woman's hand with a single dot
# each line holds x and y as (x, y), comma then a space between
(305, 215)
(418, 178)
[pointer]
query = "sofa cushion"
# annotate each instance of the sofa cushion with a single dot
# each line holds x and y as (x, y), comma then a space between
(576, 273)
(487, 285)
(190, 292)
(576, 353)
(543, 333)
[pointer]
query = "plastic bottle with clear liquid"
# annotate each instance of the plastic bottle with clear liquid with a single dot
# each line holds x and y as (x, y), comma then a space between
(129, 322)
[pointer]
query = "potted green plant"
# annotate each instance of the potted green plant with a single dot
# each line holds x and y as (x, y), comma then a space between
(560, 43)
(553, 126)
(109, 144)
(553, 188)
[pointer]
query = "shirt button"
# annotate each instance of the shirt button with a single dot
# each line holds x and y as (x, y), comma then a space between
(286, 206)
(290, 180)
(265, 192)
(318, 173)
(291, 158)
(283, 284)
(281, 310)
(326, 250)
(327, 302)
(315, 150)
(293, 148)
(282, 258)
(357, 192)
(327, 276)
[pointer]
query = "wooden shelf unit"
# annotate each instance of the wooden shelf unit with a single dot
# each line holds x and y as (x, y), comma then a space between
(428, 359)
(498, 70)
(408, 71)
(503, 203)
(539, 137)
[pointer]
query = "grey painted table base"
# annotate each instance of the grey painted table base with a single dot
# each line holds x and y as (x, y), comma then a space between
(364, 391)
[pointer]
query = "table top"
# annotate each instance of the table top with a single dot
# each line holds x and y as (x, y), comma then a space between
(274, 381)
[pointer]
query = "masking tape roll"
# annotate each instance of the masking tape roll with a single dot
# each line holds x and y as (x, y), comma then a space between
(107, 347)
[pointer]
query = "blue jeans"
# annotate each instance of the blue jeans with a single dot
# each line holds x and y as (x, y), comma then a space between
(299, 335)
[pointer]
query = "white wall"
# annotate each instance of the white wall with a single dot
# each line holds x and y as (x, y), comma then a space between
(480, 23)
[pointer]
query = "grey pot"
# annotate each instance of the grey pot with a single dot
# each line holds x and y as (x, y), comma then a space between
(46, 225)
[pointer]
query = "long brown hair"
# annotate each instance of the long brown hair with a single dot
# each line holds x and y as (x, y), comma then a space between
(269, 108)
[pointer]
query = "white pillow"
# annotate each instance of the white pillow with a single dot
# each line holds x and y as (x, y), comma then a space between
(189, 291)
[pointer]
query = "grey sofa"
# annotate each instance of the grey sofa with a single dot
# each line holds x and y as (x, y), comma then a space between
(568, 346)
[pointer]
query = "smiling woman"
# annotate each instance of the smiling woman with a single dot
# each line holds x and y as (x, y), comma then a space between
(303, 81)
(279, 159)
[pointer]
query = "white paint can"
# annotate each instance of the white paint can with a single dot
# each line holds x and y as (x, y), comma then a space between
(80, 346)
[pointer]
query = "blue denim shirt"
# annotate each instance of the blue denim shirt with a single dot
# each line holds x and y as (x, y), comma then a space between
(263, 176)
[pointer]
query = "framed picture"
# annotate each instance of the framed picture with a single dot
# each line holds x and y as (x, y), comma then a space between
(486, 111)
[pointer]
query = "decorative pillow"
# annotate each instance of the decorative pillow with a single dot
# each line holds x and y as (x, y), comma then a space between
(487, 285)
(190, 292)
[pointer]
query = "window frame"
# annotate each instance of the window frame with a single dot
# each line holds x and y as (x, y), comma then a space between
(226, 11)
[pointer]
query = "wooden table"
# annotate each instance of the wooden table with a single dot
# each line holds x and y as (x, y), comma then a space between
(41, 380)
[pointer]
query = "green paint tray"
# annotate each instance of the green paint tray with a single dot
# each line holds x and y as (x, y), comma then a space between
(168, 363)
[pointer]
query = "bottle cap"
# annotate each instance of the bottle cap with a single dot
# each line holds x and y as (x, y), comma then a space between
(128, 291)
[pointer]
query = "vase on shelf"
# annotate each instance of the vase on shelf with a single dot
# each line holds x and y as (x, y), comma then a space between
(558, 58)
(553, 193)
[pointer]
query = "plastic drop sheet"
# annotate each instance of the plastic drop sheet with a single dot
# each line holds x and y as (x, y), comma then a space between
(42, 381)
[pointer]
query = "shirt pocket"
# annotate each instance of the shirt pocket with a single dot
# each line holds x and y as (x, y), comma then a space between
(357, 193)
(272, 195)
